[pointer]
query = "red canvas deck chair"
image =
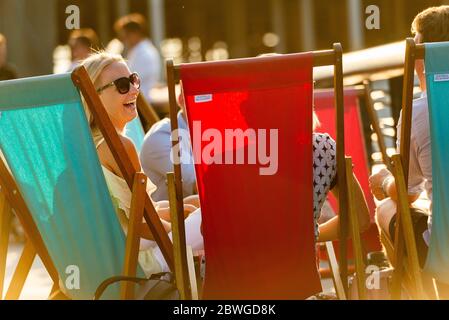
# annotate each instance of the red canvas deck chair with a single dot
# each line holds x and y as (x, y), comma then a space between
(354, 144)
(258, 228)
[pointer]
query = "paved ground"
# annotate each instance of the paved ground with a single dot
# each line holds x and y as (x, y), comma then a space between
(38, 284)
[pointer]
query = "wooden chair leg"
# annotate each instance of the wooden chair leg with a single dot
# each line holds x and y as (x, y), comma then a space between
(57, 294)
(339, 289)
(199, 280)
(192, 274)
(405, 235)
(21, 273)
(355, 233)
(179, 242)
(133, 238)
(5, 228)
(443, 290)
(375, 124)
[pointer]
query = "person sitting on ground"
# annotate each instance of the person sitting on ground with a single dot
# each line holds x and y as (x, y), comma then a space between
(118, 89)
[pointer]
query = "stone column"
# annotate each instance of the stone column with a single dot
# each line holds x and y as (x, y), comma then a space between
(307, 25)
(356, 25)
(31, 28)
(236, 28)
(278, 22)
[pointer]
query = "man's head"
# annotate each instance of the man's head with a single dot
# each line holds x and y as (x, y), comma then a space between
(430, 25)
(131, 29)
(83, 43)
(2, 50)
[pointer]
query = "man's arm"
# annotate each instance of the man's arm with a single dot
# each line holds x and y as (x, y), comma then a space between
(383, 183)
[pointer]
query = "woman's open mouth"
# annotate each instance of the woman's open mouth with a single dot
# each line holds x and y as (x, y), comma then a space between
(130, 105)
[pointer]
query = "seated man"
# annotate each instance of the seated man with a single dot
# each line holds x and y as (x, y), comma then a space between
(431, 25)
(155, 156)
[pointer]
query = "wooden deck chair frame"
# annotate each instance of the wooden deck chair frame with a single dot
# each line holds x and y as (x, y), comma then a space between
(364, 94)
(374, 120)
(141, 206)
(347, 214)
(407, 273)
(146, 112)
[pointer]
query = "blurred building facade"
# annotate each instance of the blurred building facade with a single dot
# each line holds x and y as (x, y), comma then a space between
(195, 30)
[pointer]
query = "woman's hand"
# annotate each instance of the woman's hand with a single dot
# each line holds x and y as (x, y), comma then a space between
(193, 200)
(189, 209)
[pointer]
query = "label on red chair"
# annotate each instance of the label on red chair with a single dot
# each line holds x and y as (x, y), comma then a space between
(203, 98)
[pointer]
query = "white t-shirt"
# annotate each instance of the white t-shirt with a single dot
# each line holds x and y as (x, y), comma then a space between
(146, 61)
(420, 167)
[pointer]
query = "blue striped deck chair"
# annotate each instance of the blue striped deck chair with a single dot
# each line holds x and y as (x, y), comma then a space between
(56, 186)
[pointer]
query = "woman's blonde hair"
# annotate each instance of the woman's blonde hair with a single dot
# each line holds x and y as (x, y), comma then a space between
(95, 65)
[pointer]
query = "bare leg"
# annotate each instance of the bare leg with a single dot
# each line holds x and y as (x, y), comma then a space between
(384, 213)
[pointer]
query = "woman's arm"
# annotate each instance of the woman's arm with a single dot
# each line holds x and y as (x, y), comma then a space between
(330, 230)
(108, 160)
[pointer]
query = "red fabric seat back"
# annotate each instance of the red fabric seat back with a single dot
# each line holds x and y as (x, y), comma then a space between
(354, 147)
(257, 214)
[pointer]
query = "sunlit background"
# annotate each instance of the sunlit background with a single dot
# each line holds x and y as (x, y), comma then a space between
(196, 30)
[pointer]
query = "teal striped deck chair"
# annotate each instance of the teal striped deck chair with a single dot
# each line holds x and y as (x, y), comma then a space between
(57, 188)
(408, 274)
(437, 79)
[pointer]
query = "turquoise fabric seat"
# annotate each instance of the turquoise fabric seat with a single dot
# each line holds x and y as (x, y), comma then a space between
(437, 78)
(134, 131)
(47, 143)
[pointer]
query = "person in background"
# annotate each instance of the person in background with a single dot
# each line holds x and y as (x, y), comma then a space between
(82, 42)
(7, 72)
(141, 54)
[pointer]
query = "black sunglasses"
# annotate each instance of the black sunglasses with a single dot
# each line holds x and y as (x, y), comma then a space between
(123, 85)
